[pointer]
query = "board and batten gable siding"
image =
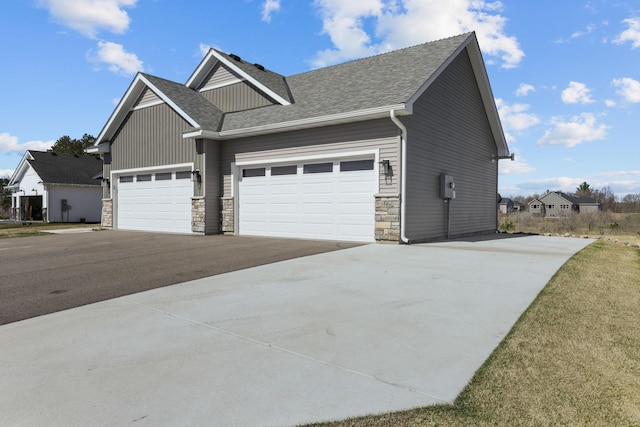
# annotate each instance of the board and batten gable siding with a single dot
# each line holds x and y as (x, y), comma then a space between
(236, 97)
(152, 137)
(379, 134)
(449, 133)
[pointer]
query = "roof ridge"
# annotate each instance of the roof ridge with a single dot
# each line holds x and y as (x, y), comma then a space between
(380, 54)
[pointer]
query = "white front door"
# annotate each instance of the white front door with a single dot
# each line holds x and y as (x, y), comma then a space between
(323, 199)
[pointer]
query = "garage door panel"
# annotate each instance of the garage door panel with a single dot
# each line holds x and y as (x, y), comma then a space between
(155, 205)
(325, 205)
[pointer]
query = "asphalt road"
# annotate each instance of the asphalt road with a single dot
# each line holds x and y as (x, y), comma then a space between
(45, 274)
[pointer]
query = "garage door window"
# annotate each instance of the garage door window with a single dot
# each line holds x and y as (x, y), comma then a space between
(163, 176)
(284, 170)
(145, 177)
(126, 178)
(183, 175)
(356, 165)
(249, 173)
(318, 168)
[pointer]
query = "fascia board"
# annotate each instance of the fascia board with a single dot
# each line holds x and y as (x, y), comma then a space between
(22, 168)
(126, 103)
(170, 102)
(244, 75)
(122, 109)
(352, 116)
(203, 68)
(101, 148)
(482, 79)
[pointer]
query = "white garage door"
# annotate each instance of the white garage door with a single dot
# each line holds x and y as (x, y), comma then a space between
(159, 201)
(332, 200)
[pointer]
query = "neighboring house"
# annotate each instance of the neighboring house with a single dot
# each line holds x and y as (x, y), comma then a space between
(54, 187)
(507, 205)
(359, 151)
(557, 203)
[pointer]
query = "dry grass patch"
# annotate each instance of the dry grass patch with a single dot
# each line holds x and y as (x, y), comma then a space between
(573, 358)
(36, 228)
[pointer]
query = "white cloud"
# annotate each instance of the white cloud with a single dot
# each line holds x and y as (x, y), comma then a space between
(269, 7)
(88, 17)
(628, 88)
(577, 93)
(518, 166)
(610, 103)
(561, 183)
(579, 129)
(118, 60)
(620, 173)
(6, 173)
(515, 118)
(578, 34)
(525, 89)
(10, 144)
(400, 23)
(631, 34)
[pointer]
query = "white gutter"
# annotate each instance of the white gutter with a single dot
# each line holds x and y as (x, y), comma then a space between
(403, 175)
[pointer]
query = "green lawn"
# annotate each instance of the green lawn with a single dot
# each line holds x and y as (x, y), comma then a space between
(573, 358)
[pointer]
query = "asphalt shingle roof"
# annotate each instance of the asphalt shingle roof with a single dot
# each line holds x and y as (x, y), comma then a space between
(191, 102)
(274, 81)
(65, 168)
(381, 80)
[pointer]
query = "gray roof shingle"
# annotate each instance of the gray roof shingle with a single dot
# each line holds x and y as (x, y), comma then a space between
(62, 168)
(381, 80)
(274, 81)
(191, 102)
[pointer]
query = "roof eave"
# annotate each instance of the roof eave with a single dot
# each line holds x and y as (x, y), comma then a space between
(312, 122)
(126, 103)
(212, 57)
(103, 147)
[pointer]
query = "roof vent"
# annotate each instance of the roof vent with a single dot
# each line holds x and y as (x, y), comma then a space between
(235, 57)
(259, 67)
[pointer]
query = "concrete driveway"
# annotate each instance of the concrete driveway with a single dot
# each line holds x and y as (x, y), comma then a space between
(364, 330)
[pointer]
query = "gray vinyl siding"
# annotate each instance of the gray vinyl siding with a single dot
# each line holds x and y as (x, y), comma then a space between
(449, 133)
(152, 137)
(236, 97)
(556, 205)
(219, 76)
(213, 187)
(147, 97)
(106, 173)
(376, 134)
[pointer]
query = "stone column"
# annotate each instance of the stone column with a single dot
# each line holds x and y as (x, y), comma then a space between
(197, 214)
(227, 215)
(387, 218)
(107, 213)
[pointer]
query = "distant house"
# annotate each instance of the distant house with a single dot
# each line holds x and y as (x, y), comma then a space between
(53, 187)
(557, 204)
(507, 205)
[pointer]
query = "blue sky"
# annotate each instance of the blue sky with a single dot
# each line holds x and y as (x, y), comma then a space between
(565, 74)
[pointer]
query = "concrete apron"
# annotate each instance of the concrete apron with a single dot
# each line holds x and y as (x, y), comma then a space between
(366, 330)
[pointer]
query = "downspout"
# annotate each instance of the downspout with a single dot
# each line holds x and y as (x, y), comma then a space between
(403, 175)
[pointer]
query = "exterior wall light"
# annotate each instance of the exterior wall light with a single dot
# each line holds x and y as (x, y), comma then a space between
(386, 167)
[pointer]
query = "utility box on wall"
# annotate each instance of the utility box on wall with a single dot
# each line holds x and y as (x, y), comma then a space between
(447, 187)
